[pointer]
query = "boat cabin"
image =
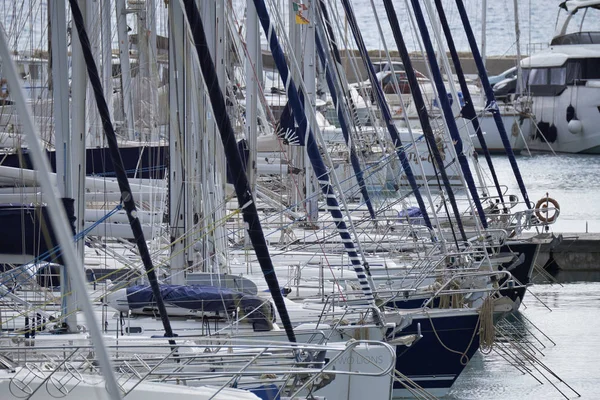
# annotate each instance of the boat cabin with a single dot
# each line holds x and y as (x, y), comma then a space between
(573, 58)
(549, 73)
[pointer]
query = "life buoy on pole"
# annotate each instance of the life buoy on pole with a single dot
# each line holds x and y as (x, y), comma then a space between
(4, 93)
(541, 207)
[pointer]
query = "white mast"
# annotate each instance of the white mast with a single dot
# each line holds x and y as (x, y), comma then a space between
(107, 55)
(145, 117)
(62, 135)
(483, 30)
(220, 171)
(253, 46)
(483, 40)
(296, 154)
(207, 137)
(252, 75)
(518, 41)
(125, 67)
(79, 126)
(177, 144)
(310, 97)
(150, 33)
(95, 136)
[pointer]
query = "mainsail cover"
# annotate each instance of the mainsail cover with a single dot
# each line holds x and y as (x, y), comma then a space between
(256, 310)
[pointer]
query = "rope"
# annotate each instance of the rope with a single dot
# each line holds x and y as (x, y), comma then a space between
(487, 331)
(464, 359)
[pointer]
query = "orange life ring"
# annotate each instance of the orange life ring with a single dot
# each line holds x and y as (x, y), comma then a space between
(543, 204)
(4, 93)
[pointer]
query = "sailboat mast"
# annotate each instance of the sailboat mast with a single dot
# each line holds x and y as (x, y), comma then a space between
(310, 98)
(518, 43)
(62, 137)
(253, 46)
(177, 144)
(296, 154)
(221, 259)
(241, 184)
(338, 102)
(447, 111)
(126, 194)
(492, 106)
(484, 31)
(79, 124)
(125, 67)
(106, 24)
(468, 111)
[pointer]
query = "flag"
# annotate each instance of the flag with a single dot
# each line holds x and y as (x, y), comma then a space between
(299, 7)
(301, 20)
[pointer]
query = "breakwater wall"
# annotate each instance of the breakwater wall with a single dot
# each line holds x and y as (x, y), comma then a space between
(494, 64)
(571, 252)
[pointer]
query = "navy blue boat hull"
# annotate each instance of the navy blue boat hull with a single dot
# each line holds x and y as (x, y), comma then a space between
(521, 272)
(148, 162)
(428, 362)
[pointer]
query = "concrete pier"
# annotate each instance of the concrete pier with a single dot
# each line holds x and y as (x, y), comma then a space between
(494, 64)
(570, 252)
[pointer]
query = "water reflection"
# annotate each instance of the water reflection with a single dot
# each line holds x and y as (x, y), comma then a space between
(572, 324)
(568, 277)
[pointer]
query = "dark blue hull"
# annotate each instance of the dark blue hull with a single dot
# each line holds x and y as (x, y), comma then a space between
(148, 162)
(521, 270)
(26, 231)
(428, 362)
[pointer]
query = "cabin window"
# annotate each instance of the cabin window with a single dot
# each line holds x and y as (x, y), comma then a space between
(524, 77)
(116, 70)
(591, 68)
(558, 76)
(34, 71)
(573, 71)
(22, 72)
(133, 329)
(538, 76)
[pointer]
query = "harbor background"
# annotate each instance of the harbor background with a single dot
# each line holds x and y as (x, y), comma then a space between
(573, 180)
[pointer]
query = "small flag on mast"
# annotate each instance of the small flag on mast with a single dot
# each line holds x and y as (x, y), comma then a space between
(298, 8)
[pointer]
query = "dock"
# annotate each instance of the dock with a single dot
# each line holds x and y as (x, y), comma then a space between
(570, 252)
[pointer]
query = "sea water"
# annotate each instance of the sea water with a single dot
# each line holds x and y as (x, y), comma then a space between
(572, 322)
(573, 180)
(569, 312)
(25, 22)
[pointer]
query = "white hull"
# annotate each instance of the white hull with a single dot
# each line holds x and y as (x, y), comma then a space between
(552, 110)
(35, 384)
(518, 129)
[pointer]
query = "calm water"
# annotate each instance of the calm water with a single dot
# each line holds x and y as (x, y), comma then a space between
(573, 324)
(25, 21)
(572, 179)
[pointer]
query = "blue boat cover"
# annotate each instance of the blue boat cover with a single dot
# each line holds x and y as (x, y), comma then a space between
(414, 215)
(258, 311)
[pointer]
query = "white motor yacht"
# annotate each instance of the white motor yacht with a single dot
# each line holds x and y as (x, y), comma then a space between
(563, 82)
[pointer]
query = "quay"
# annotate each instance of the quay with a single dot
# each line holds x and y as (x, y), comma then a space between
(494, 64)
(569, 251)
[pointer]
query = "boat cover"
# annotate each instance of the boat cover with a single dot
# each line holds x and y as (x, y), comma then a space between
(257, 311)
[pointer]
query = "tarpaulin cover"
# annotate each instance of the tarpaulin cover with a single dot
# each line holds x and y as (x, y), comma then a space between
(205, 298)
